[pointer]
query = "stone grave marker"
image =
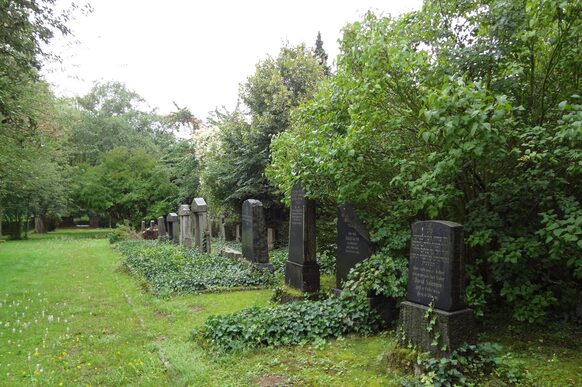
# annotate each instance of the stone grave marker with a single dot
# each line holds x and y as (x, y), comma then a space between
(173, 227)
(254, 233)
(143, 227)
(200, 225)
(162, 229)
(152, 224)
(301, 269)
(185, 225)
(436, 288)
(353, 242)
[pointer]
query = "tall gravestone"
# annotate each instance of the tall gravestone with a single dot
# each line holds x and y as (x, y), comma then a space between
(152, 224)
(353, 242)
(200, 225)
(435, 317)
(162, 229)
(143, 226)
(254, 233)
(301, 269)
(185, 225)
(173, 227)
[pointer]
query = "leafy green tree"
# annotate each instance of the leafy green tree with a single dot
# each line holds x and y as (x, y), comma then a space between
(128, 184)
(462, 111)
(320, 54)
(235, 172)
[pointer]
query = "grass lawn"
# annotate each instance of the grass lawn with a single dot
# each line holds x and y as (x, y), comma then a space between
(69, 315)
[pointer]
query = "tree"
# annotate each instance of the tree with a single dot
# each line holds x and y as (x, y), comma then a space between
(235, 171)
(320, 54)
(461, 111)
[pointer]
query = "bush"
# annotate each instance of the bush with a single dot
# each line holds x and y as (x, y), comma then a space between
(166, 267)
(469, 365)
(289, 324)
(121, 233)
(381, 275)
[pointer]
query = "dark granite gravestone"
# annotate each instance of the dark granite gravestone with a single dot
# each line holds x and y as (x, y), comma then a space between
(173, 227)
(436, 289)
(185, 225)
(353, 242)
(254, 233)
(162, 229)
(301, 269)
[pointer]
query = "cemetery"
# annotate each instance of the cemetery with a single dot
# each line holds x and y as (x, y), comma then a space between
(409, 216)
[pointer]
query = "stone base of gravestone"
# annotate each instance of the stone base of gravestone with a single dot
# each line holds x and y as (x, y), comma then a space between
(302, 277)
(452, 329)
(385, 307)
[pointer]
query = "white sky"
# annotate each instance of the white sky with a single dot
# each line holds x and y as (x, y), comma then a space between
(195, 53)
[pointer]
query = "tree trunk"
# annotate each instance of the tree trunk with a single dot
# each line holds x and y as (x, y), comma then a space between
(1, 217)
(40, 224)
(26, 221)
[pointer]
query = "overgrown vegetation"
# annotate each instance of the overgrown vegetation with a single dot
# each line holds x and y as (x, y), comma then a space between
(464, 111)
(289, 324)
(167, 268)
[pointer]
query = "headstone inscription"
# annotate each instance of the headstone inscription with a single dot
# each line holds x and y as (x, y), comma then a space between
(353, 242)
(162, 229)
(200, 225)
(436, 286)
(185, 225)
(173, 227)
(301, 269)
(254, 233)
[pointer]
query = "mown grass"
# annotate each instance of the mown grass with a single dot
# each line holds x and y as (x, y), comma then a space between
(70, 315)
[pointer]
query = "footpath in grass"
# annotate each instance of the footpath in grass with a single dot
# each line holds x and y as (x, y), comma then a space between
(70, 315)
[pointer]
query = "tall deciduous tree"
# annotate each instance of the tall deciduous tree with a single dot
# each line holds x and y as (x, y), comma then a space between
(467, 111)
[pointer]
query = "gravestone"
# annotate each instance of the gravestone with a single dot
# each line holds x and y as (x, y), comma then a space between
(222, 229)
(353, 242)
(254, 233)
(173, 227)
(185, 225)
(237, 236)
(270, 238)
(301, 269)
(162, 229)
(436, 289)
(143, 226)
(152, 224)
(200, 225)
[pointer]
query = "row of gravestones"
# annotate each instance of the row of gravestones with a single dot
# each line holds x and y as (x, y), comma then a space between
(434, 317)
(189, 227)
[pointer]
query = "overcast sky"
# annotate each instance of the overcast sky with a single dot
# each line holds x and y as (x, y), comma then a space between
(195, 53)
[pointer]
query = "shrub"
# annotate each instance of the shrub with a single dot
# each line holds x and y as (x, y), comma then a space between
(381, 275)
(168, 268)
(289, 324)
(122, 232)
(469, 365)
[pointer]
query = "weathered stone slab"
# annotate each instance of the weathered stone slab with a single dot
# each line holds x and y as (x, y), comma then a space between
(162, 229)
(254, 233)
(353, 242)
(301, 269)
(185, 225)
(450, 331)
(231, 253)
(173, 227)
